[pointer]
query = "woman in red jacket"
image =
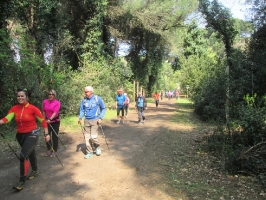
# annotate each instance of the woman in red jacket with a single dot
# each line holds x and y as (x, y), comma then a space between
(27, 135)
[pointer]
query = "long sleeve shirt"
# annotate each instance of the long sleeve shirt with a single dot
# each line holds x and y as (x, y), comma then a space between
(25, 116)
(51, 107)
(92, 108)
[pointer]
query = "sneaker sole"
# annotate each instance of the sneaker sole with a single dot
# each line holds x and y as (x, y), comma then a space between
(87, 157)
(18, 189)
(30, 178)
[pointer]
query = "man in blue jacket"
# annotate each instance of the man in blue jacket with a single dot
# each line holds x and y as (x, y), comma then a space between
(93, 108)
(141, 105)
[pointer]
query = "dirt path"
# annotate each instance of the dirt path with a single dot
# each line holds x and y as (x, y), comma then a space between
(139, 165)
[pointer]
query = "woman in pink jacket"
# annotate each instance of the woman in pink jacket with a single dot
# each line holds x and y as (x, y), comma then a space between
(50, 109)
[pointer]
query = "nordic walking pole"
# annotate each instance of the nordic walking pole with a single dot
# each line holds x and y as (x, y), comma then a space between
(57, 135)
(55, 154)
(9, 145)
(104, 137)
(82, 130)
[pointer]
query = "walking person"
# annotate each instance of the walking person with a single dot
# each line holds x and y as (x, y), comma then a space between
(93, 108)
(120, 101)
(25, 115)
(169, 94)
(161, 95)
(126, 104)
(50, 110)
(156, 98)
(176, 94)
(141, 105)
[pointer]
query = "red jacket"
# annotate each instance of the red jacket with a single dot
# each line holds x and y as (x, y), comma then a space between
(25, 117)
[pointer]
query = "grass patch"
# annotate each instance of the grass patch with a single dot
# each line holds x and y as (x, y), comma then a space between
(150, 100)
(183, 113)
(184, 103)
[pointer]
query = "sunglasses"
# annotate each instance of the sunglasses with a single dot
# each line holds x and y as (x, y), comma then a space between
(51, 94)
(87, 91)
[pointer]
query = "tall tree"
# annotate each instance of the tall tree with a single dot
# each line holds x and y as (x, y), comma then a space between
(220, 19)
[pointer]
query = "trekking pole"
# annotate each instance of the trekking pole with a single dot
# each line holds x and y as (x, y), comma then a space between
(104, 137)
(9, 145)
(55, 154)
(147, 116)
(82, 130)
(57, 135)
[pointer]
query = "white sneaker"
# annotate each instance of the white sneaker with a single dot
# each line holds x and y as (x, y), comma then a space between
(122, 122)
(118, 122)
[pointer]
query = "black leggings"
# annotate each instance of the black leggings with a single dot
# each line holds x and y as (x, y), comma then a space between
(126, 110)
(27, 142)
(53, 132)
(156, 103)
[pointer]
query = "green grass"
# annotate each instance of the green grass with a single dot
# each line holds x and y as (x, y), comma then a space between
(183, 113)
(150, 100)
(184, 103)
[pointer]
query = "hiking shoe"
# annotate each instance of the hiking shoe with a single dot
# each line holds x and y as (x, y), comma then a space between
(98, 151)
(48, 153)
(19, 186)
(33, 174)
(52, 155)
(139, 122)
(88, 155)
(118, 122)
(143, 119)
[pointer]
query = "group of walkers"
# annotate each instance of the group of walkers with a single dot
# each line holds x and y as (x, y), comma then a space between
(122, 104)
(28, 133)
(171, 94)
(92, 109)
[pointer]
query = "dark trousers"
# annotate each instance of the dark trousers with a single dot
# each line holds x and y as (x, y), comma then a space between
(126, 109)
(53, 130)
(156, 103)
(27, 142)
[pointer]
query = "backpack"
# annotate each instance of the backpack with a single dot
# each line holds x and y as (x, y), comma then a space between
(144, 101)
(95, 98)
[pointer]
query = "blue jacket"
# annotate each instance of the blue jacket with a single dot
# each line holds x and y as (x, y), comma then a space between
(92, 108)
(120, 100)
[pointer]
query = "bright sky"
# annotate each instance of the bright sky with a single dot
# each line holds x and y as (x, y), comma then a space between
(237, 7)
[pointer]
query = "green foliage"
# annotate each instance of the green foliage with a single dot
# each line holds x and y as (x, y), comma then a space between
(6, 65)
(256, 60)
(194, 41)
(219, 18)
(252, 122)
(104, 78)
